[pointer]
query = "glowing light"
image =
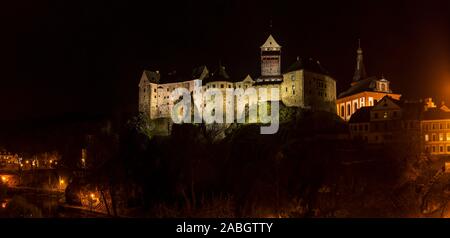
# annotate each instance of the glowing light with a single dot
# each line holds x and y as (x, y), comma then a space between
(61, 182)
(4, 179)
(51, 161)
(3, 205)
(27, 162)
(92, 196)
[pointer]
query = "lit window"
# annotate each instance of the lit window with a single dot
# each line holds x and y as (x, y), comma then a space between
(441, 137)
(448, 136)
(385, 115)
(427, 137)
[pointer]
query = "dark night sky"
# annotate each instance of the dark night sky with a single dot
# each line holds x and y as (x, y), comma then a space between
(86, 57)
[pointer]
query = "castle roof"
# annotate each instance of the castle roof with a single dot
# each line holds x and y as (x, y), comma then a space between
(310, 65)
(152, 76)
(199, 71)
(270, 43)
(365, 85)
(174, 76)
(219, 75)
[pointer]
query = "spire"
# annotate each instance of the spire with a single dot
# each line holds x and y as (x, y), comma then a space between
(360, 70)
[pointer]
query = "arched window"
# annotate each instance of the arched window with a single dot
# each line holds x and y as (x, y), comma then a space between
(348, 109)
(342, 111)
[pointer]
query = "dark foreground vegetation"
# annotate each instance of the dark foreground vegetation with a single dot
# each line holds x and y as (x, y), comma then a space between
(308, 169)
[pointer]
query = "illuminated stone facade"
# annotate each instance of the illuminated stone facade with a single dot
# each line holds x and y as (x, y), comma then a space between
(305, 84)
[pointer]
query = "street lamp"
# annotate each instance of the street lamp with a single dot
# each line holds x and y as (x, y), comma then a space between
(61, 183)
(91, 201)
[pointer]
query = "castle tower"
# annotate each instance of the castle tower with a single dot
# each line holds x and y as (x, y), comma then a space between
(270, 63)
(360, 70)
(270, 58)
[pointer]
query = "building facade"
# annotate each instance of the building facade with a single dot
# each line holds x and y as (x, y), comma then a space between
(435, 126)
(421, 124)
(306, 84)
(363, 92)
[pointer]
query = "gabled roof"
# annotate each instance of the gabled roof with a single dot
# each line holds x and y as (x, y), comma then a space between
(270, 43)
(248, 78)
(365, 85)
(387, 103)
(152, 76)
(200, 72)
(362, 115)
(219, 75)
(445, 108)
(310, 65)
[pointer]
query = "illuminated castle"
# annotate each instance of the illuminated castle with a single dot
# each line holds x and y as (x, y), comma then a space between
(306, 84)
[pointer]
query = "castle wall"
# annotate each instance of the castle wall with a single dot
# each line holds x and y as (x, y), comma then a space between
(291, 90)
(319, 92)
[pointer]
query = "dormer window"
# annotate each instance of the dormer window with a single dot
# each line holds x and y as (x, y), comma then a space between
(383, 87)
